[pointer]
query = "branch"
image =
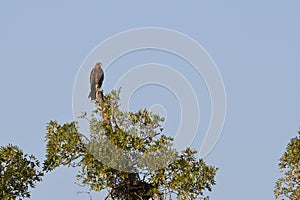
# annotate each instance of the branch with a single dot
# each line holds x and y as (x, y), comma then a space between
(138, 196)
(101, 101)
(108, 195)
(114, 119)
(89, 193)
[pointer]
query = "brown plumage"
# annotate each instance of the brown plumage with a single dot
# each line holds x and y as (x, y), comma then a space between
(96, 80)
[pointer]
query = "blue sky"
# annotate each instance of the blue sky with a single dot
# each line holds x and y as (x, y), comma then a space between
(255, 45)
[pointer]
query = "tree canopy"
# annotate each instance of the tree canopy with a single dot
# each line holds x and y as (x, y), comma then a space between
(288, 186)
(18, 173)
(128, 155)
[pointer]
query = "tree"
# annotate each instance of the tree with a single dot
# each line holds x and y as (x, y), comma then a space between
(288, 187)
(127, 154)
(18, 173)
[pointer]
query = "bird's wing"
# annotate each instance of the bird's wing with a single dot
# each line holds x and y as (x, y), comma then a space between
(96, 77)
(92, 76)
(97, 74)
(101, 77)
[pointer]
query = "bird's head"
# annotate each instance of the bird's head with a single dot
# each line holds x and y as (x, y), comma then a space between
(98, 64)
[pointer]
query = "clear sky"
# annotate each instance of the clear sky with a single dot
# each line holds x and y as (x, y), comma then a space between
(255, 45)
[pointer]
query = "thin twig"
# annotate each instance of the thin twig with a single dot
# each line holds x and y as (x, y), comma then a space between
(108, 195)
(89, 193)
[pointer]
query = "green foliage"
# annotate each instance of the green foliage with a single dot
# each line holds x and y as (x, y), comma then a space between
(64, 144)
(18, 172)
(128, 154)
(289, 186)
(186, 177)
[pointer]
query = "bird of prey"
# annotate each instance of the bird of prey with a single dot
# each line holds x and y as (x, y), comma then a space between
(96, 80)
